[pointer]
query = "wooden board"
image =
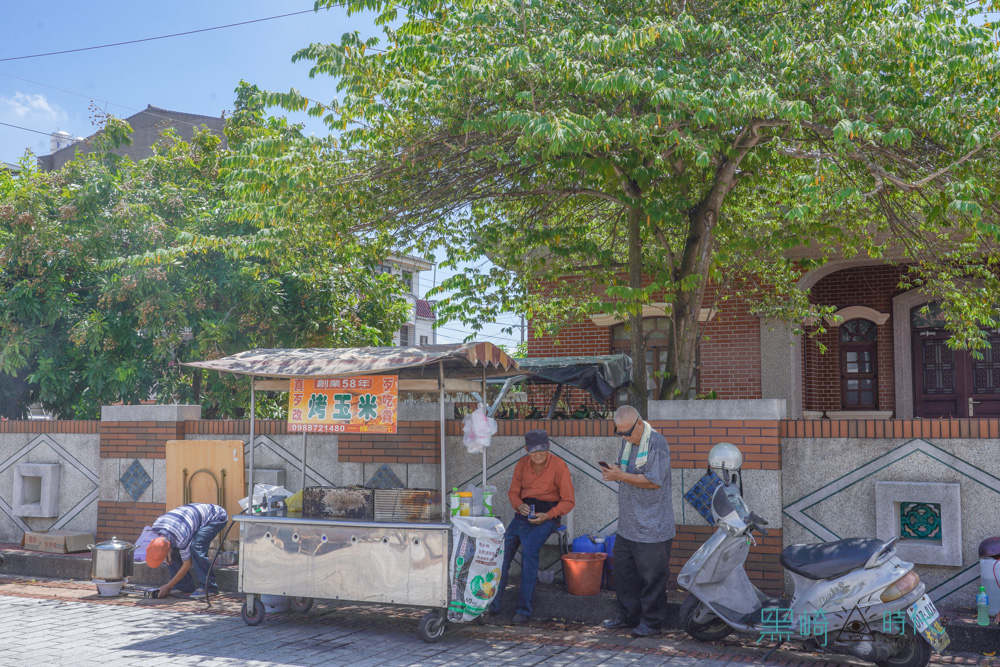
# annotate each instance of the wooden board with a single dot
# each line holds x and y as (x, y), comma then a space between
(211, 455)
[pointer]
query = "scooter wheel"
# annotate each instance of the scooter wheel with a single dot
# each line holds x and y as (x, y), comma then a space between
(913, 652)
(707, 631)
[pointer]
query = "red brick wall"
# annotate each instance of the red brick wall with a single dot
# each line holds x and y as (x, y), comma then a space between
(125, 520)
(762, 565)
(871, 286)
(235, 427)
(730, 353)
(414, 442)
(690, 441)
(891, 428)
(138, 439)
(49, 426)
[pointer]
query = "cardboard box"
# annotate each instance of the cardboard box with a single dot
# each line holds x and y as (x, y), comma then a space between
(57, 541)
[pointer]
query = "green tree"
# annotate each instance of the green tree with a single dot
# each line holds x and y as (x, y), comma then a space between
(651, 150)
(113, 273)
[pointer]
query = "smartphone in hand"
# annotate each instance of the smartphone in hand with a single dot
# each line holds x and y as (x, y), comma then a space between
(603, 464)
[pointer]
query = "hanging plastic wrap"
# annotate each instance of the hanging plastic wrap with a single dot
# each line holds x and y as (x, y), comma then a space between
(478, 430)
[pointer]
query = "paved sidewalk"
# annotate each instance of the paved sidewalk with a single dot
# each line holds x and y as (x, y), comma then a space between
(50, 632)
(48, 622)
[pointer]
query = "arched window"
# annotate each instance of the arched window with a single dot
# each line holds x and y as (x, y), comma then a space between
(858, 372)
(655, 330)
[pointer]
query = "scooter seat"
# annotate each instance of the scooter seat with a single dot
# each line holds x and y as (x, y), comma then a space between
(829, 559)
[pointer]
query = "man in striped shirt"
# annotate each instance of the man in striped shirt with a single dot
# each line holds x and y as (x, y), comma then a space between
(183, 536)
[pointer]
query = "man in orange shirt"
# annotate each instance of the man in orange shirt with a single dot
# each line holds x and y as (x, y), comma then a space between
(541, 481)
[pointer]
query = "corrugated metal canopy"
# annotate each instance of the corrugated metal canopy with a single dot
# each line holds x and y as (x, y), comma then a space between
(464, 360)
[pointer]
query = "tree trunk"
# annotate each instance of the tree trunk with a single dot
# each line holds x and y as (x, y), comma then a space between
(696, 261)
(640, 394)
(679, 380)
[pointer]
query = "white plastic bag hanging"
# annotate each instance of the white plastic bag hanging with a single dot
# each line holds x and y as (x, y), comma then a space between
(475, 566)
(478, 430)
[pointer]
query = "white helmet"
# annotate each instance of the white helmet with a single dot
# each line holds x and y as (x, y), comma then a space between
(725, 456)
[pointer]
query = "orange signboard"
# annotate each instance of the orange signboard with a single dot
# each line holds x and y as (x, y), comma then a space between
(360, 404)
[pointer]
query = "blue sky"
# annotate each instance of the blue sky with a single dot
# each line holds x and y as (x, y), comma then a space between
(194, 73)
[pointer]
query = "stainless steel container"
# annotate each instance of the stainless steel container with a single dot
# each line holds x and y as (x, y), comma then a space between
(111, 560)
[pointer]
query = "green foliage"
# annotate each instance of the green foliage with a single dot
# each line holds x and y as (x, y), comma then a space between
(114, 273)
(701, 145)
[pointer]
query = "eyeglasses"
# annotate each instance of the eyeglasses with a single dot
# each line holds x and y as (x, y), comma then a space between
(627, 433)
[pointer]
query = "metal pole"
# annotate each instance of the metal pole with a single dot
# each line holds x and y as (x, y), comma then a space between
(304, 436)
(484, 408)
(444, 486)
(253, 413)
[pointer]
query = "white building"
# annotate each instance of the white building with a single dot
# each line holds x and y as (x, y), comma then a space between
(419, 326)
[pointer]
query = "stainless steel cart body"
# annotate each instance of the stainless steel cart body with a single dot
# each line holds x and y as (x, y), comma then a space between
(343, 559)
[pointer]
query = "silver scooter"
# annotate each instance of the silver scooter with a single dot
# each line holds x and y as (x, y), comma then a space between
(852, 597)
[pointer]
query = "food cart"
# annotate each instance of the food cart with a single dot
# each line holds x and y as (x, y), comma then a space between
(394, 562)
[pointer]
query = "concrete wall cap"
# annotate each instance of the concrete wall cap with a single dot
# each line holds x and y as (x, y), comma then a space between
(150, 413)
(751, 408)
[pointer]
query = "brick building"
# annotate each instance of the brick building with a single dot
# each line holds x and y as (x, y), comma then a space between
(884, 358)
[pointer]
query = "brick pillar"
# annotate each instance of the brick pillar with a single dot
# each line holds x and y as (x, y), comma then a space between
(133, 467)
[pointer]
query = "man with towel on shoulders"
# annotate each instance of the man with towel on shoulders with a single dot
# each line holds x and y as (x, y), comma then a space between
(645, 525)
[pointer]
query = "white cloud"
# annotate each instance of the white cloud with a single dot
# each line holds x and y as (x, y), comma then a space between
(28, 108)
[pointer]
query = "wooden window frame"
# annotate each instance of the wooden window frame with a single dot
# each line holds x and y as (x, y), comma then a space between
(870, 346)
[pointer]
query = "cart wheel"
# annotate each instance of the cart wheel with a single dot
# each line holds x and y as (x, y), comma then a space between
(258, 612)
(431, 626)
(301, 605)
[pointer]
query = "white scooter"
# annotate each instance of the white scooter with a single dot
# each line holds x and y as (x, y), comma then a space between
(852, 597)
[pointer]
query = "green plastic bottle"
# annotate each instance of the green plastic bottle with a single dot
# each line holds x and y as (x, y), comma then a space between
(982, 607)
(453, 501)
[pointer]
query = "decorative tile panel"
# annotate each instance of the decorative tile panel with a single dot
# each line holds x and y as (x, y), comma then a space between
(926, 516)
(136, 480)
(385, 478)
(920, 521)
(700, 495)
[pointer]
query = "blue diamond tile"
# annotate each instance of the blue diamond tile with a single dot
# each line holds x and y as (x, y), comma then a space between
(700, 495)
(136, 480)
(384, 478)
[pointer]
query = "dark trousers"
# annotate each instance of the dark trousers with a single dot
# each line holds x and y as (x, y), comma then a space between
(195, 578)
(530, 538)
(641, 573)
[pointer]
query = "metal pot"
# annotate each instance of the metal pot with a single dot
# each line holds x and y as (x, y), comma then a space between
(111, 560)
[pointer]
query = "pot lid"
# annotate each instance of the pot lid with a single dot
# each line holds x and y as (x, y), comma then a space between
(114, 544)
(990, 547)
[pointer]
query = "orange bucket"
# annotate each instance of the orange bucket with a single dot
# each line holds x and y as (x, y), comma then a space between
(583, 572)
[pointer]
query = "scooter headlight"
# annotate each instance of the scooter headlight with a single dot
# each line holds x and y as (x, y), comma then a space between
(900, 587)
(731, 524)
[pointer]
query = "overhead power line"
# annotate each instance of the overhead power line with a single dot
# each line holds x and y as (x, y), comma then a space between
(26, 129)
(152, 39)
(106, 102)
